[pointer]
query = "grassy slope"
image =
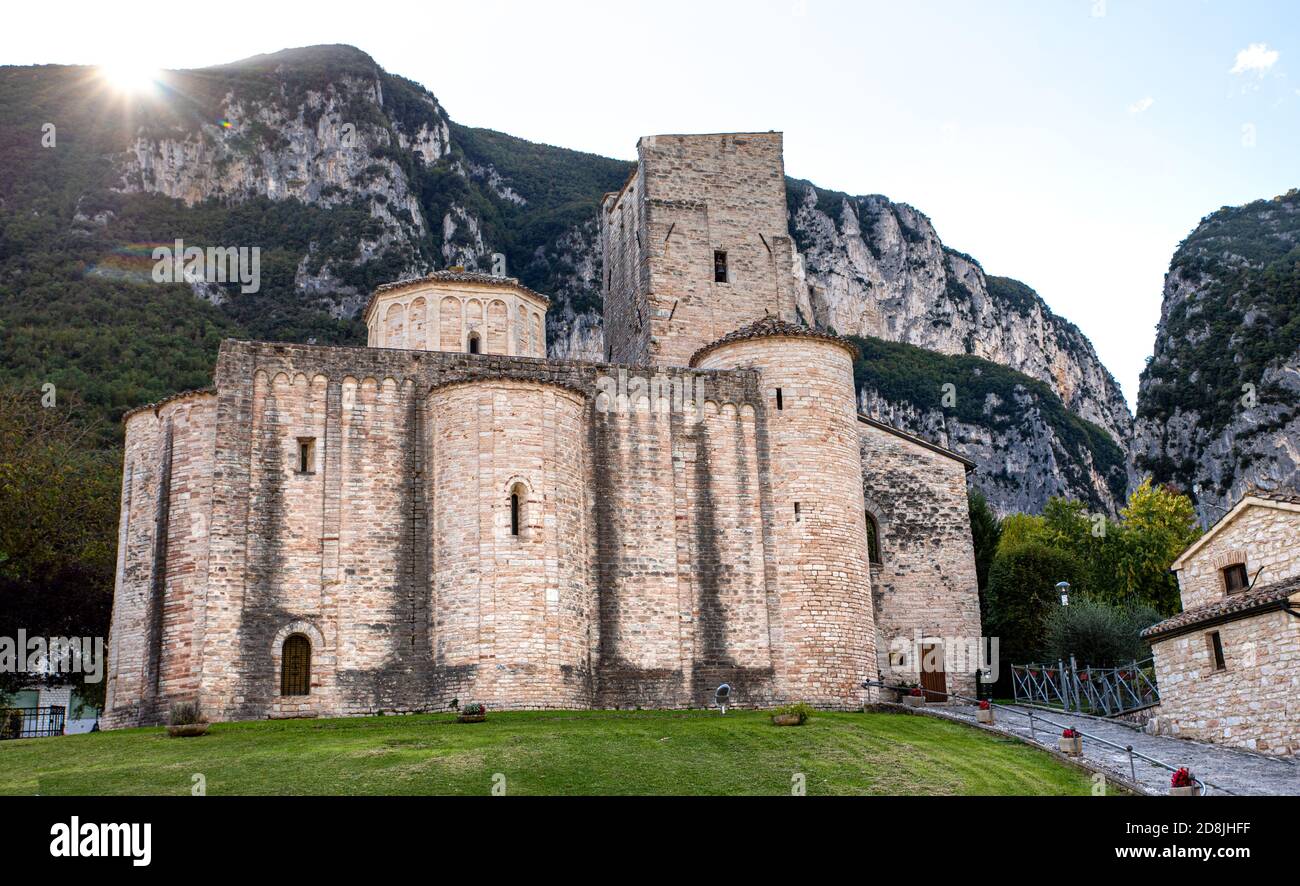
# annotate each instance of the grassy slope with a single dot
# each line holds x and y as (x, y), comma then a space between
(544, 753)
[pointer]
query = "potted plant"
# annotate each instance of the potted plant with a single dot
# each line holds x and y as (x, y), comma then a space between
(1071, 743)
(985, 713)
(914, 698)
(791, 715)
(1183, 784)
(186, 720)
(474, 712)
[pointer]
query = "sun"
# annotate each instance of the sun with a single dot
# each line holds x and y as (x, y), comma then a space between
(129, 76)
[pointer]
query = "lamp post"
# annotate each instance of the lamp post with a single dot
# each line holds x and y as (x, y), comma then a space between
(1063, 588)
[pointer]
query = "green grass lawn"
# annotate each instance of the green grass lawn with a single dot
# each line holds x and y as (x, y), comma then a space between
(610, 752)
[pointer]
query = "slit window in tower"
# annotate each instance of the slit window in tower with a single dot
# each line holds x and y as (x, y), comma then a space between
(306, 455)
(719, 266)
(798, 516)
(780, 402)
(514, 512)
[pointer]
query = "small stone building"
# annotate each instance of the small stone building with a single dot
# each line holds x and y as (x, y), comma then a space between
(1228, 665)
(447, 514)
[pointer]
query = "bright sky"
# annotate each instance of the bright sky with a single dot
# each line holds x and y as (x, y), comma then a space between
(1070, 144)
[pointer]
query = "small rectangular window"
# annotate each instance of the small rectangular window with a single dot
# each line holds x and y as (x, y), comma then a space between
(719, 266)
(780, 402)
(1235, 578)
(306, 455)
(1216, 650)
(797, 515)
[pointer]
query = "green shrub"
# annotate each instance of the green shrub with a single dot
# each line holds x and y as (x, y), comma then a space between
(186, 713)
(1096, 633)
(800, 710)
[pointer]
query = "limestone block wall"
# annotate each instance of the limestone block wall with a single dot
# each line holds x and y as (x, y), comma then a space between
(924, 590)
(625, 258)
(1260, 536)
(817, 518)
(660, 552)
(1254, 703)
(512, 612)
(694, 195)
(161, 558)
(686, 595)
(443, 315)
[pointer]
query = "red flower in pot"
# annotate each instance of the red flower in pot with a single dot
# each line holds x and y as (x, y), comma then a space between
(984, 705)
(1182, 778)
(1069, 733)
(916, 692)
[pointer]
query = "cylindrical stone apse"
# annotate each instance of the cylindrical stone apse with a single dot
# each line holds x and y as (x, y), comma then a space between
(827, 645)
(512, 600)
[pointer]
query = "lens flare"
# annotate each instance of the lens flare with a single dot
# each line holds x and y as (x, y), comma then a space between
(130, 76)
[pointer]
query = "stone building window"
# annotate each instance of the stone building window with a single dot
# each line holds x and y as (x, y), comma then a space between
(518, 497)
(473, 343)
(1235, 579)
(873, 541)
(780, 401)
(306, 455)
(1215, 644)
(719, 266)
(295, 666)
(798, 516)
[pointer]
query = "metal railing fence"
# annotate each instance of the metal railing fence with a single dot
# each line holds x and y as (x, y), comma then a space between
(1035, 718)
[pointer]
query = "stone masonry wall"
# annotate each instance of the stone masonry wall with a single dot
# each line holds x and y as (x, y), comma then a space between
(816, 523)
(691, 196)
(925, 589)
(1260, 536)
(162, 558)
(1253, 703)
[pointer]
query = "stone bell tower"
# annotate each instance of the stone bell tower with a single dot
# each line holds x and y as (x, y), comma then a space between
(695, 245)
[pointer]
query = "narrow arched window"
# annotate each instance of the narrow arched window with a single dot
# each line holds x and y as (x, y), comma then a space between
(473, 342)
(514, 512)
(295, 666)
(873, 541)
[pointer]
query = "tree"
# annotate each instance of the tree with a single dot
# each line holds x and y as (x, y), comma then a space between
(1022, 594)
(986, 531)
(1159, 524)
(58, 520)
(1097, 633)
(1019, 529)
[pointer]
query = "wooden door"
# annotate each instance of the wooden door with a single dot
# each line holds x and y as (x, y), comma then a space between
(933, 680)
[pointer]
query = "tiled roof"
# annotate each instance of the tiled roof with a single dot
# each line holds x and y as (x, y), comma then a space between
(154, 407)
(454, 277)
(1233, 606)
(1288, 496)
(773, 327)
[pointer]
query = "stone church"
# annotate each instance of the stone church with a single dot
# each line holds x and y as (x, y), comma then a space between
(446, 514)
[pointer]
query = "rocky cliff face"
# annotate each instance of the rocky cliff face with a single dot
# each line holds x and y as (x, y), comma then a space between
(877, 268)
(1219, 403)
(325, 128)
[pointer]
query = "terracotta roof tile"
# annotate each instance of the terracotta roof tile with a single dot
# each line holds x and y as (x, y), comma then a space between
(1234, 605)
(773, 327)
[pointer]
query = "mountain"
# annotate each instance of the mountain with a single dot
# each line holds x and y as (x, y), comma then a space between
(1219, 401)
(346, 176)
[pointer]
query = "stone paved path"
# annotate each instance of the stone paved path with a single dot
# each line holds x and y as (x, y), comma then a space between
(1230, 771)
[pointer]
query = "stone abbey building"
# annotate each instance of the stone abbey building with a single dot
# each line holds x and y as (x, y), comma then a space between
(447, 514)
